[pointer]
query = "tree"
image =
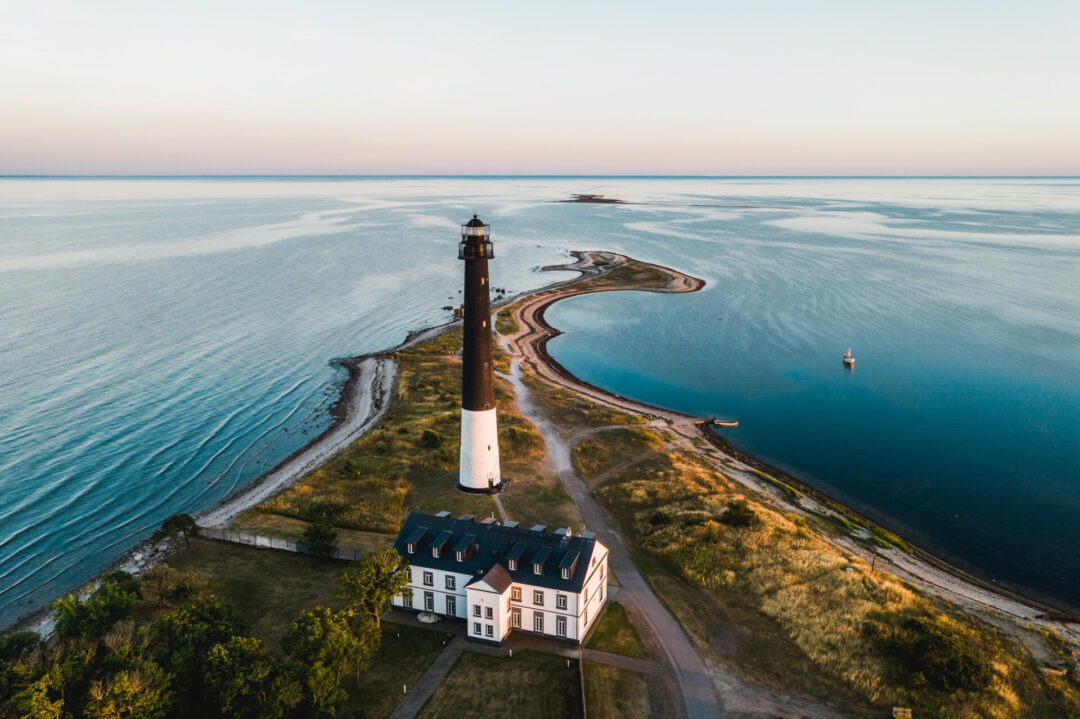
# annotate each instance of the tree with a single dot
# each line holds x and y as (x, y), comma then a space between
(368, 587)
(184, 638)
(321, 538)
(246, 682)
(141, 692)
(323, 642)
(91, 619)
(177, 524)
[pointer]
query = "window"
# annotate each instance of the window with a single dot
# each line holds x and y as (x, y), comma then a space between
(429, 579)
(429, 602)
(476, 628)
(515, 618)
(451, 606)
(538, 568)
(538, 598)
(435, 552)
(489, 613)
(513, 565)
(560, 626)
(586, 599)
(476, 610)
(585, 617)
(566, 573)
(460, 556)
(406, 600)
(450, 582)
(560, 601)
(538, 621)
(489, 631)
(410, 548)
(515, 594)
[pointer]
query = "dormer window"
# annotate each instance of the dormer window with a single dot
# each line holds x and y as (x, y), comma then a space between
(565, 574)
(460, 556)
(513, 565)
(538, 568)
(539, 558)
(435, 551)
(410, 548)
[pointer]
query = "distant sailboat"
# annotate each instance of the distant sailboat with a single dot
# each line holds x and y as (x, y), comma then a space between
(849, 359)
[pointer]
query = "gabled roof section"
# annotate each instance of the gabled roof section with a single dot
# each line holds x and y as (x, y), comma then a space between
(497, 579)
(416, 536)
(495, 545)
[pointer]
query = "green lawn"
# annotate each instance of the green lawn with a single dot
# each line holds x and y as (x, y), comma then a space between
(268, 586)
(529, 686)
(612, 693)
(616, 634)
(404, 656)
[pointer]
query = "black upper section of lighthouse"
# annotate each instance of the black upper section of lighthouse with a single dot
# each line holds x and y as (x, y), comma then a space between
(477, 381)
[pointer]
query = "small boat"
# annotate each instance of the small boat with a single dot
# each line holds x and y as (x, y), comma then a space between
(725, 423)
(849, 359)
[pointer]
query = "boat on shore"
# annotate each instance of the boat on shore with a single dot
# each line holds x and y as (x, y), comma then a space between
(725, 423)
(849, 359)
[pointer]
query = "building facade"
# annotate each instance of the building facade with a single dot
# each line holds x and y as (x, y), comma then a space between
(502, 578)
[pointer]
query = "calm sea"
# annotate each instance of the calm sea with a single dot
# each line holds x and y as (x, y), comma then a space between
(165, 341)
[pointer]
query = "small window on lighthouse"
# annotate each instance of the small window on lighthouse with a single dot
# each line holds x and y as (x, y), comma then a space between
(483, 323)
(483, 281)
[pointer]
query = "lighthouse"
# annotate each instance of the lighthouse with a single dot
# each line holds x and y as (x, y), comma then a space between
(479, 470)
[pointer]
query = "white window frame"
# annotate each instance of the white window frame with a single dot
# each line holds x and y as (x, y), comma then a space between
(489, 631)
(512, 565)
(476, 610)
(515, 594)
(451, 582)
(476, 628)
(566, 573)
(489, 613)
(538, 568)
(429, 601)
(560, 601)
(538, 622)
(451, 606)
(560, 626)
(435, 552)
(538, 598)
(515, 618)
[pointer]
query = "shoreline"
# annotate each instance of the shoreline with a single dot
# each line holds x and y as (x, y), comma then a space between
(367, 393)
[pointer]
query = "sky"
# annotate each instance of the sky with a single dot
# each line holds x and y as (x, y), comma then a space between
(762, 87)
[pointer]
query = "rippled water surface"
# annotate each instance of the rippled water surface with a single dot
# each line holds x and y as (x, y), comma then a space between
(166, 341)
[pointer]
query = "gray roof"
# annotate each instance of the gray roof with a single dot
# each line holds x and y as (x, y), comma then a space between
(495, 544)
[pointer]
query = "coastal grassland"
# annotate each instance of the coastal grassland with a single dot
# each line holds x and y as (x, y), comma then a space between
(630, 274)
(756, 583)
(531, 685)
(613, 693)
(571, 413)
(409, 462)
(616, 634)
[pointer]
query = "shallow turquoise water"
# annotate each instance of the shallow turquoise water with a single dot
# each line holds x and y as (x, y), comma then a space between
(166, 341)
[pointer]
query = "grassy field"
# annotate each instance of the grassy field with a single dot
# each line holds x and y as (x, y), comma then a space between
(613, 693)
(268, 586)
(616, 634)
(762, 589)
(404, 656)
(410, 461)
(529, 686)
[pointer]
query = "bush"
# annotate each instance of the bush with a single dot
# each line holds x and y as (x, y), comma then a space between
(430, 438)
(933, 653)
(321, 538)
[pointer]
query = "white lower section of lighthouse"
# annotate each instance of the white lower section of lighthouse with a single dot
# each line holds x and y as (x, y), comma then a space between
(479, 452)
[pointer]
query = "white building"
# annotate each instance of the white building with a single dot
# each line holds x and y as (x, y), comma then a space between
(500, 578)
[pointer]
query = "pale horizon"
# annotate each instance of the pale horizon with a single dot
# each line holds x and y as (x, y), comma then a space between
(776, 89)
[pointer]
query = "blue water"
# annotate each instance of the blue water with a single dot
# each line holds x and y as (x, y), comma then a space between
(167, 340)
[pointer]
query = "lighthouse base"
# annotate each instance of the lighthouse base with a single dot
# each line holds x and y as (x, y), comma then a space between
(479, 469)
